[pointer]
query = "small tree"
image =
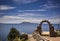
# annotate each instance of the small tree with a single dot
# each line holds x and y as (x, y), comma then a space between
(13, 34)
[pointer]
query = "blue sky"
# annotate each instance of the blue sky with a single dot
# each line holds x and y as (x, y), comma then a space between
(34, 11)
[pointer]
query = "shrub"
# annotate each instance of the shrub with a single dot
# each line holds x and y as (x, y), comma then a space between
(24, 37)
(13, 34)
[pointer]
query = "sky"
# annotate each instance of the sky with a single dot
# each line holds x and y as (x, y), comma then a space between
(34, 11)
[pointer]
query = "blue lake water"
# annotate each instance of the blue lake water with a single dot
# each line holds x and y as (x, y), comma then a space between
(28, 28)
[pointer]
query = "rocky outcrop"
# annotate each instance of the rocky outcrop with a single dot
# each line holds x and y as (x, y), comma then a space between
(51, 28)
(38, 37)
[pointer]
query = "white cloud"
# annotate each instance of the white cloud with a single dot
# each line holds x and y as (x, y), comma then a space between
(26, 14)
(27, 18)
(6, 7)
(55, 21)
(49, 5)
(17, 19)
(32, 10)
(12, 17)
(37, 10)
(30, 15)
(24, 1)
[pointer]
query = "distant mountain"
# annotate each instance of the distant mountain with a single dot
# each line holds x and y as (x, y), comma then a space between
(26, 23)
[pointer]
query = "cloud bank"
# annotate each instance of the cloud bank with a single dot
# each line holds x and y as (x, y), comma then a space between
(27, 18)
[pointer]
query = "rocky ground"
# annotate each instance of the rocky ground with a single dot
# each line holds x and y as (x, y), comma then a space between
(46, 37)
(31, 38)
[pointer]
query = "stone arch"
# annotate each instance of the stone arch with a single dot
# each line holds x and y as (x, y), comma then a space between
(51, 28)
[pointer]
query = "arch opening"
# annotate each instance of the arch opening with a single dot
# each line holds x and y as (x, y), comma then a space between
(45, 29)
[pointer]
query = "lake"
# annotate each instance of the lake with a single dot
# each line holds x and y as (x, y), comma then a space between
(23, 27)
